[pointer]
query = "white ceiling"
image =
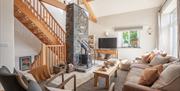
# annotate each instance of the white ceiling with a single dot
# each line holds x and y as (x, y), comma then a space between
(111, 7)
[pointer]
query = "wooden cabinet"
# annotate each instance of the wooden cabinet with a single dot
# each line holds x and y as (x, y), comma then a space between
(112, 52)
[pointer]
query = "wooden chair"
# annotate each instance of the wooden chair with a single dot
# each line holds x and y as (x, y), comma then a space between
(43, 77)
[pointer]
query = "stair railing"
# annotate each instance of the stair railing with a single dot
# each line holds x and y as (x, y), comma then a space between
(50, 55)
(55, 54)
(37, 61)
(42, 13)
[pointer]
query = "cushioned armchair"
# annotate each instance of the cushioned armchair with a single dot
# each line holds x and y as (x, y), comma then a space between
(44, 78)
(11, 82)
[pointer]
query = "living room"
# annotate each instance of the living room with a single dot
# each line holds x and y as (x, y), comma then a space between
(89, 45)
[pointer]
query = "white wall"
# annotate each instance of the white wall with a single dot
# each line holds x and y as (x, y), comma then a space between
(26, 44)
(58, 14)
(146, 17)
(7, 33)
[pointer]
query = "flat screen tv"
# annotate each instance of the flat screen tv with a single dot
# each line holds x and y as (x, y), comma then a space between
(107, 43)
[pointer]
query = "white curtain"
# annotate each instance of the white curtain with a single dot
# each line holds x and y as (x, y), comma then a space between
(164, 38)
(178, 26)
(168, 39)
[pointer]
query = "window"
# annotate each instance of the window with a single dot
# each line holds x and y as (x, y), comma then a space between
(130, 39)
(168, 33)
(173, 33)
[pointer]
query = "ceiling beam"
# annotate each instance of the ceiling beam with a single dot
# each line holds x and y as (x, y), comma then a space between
(89, 0)
(89, 9)
(55, 3)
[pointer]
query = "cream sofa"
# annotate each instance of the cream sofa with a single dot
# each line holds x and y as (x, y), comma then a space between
(169, 79)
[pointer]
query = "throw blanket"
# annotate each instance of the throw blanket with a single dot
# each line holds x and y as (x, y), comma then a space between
(40, 73)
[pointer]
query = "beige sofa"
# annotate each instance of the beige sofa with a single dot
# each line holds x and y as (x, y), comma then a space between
(169, 79)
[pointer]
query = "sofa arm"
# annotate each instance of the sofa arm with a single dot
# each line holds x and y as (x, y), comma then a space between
(128, 86)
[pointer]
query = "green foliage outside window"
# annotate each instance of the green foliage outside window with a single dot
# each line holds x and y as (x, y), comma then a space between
(130, 39)
(125, 37)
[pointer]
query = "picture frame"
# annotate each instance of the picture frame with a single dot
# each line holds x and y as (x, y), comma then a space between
(25, 63)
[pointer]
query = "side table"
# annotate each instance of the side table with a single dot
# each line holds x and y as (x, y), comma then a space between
(106, 74)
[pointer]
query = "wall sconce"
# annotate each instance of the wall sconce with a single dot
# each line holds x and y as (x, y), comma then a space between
(148, 29)
(106, 33)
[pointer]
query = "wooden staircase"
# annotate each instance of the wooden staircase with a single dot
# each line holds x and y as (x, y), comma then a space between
(36, 17)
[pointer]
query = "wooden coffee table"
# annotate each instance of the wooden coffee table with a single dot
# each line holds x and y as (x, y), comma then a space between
(106, 74)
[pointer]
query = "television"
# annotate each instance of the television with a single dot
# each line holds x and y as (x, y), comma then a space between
(107, 42)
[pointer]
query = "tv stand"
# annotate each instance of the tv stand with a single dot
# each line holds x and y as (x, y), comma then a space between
(113, 52)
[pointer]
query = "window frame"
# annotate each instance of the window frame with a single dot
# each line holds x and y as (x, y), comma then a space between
(129, 39)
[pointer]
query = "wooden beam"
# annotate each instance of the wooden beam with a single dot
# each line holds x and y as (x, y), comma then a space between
(91, 13)
(55, 3)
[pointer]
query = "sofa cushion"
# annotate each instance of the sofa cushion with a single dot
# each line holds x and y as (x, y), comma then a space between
(168, 76)
(134, 75)
(139, 65)
(33, 86)
(149, 76)
(159, 60)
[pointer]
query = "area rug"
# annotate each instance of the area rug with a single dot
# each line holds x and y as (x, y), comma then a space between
(81, 77)
(119, 81)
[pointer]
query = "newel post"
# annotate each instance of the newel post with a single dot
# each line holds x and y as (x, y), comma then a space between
(44, 54)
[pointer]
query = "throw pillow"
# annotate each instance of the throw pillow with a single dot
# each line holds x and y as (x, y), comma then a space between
(159, 60)
(145, 58)
(159, 68)
(151, 56)
(164, 54)
(167, 77)
(149, 76)
(41, 73)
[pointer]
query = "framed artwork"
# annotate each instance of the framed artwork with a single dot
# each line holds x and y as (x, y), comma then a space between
(24, 63)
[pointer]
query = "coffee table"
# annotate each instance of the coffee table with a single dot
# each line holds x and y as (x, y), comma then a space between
(106, 74)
